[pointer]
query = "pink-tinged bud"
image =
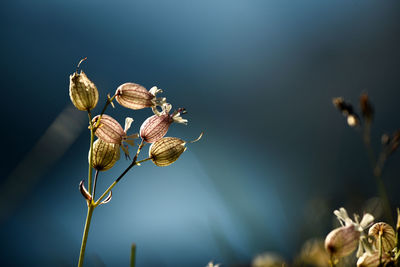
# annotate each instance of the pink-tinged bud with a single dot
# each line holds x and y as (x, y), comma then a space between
(386, 232)
(110, 131)
(82, 91)
(105, 155)
(342, 241)
(372, 260)
(166, 151)
(156, 126)
(135, 96)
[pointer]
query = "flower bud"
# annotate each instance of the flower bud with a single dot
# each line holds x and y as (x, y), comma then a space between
(104, 155)
(372, 260)
(388, 235)
(135, 96)
(166, 151)
(342, 241)
(156, 126)
(82, 91)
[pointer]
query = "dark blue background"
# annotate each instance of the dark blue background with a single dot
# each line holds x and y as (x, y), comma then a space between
(256, 76)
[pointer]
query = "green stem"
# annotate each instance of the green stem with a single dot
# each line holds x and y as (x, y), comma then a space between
(122, 174)
(143, 160)
(94, 184)
(90, 152)
(85, 234)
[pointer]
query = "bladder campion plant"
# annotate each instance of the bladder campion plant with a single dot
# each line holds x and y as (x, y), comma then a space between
(105, 151)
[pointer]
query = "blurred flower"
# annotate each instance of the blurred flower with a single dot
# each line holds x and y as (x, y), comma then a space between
(211, 264)
(82, 91)
(268, 259)
(156, 126)
(366, 107)
(343, 241)
(104, 155)
(388, 236)
(313, 254)
(372, 260)
(110, 131)
(135, 96)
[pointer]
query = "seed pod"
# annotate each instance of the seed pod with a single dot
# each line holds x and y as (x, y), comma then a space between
(156, 126)
(388, 236)
(104, 155)
(166, 151)
(82, 91)
(135, 96)
(372, 260)
(342, 241)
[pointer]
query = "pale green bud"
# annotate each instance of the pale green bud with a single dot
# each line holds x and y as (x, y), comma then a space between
(105, 155)
(82, 91)
(166, 151)
(388, 236)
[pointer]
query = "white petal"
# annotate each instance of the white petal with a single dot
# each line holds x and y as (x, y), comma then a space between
(128, 122)
(154, 90)
(366, 220)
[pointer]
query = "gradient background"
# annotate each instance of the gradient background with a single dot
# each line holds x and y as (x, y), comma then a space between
(256, 76)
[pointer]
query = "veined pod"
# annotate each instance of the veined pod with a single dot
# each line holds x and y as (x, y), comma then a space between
(82, 91)
(166, 151)
(372, 259)
(156, 126)
(342, 241)
(105, 155)
(388, 236)
(110, 131)
(135, 96)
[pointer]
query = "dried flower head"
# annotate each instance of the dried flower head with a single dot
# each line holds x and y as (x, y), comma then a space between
(372, 260)
(135, 96)
(388, 235)
(167, 150)
(105, 155)
(110, 131)
(82, 91)
(156, 126)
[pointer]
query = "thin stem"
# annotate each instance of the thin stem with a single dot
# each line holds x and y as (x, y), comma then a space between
(377, 170)
(122, 174)
(133, 255)
(108, 102)
(85, 234)
(90, 152)
(143, 160)
(94, 184)
(380, 248)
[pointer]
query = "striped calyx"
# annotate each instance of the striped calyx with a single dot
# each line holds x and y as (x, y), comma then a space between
(105, 155)
(387, 234)
(82, 91)
(109, 130)
(166, 151)
(342, 241)
(135, 96)
(156, 126)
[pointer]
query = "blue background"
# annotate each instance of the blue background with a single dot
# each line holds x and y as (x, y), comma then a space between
(256, 76)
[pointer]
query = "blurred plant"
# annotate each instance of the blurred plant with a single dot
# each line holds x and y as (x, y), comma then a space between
(268, 259)
(390, 142)
(379, 248)
(105, 151)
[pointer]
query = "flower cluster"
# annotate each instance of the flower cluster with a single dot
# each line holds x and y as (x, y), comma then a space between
(111, 137)
(377, 248)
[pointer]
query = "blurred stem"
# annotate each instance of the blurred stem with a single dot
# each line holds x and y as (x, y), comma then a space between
(377, 170)
(133, 255)
(380, 248)
(122, 174)
(85, 233)
(90, 152)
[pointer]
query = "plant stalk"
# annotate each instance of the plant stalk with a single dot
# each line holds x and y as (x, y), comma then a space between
(85, 233)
